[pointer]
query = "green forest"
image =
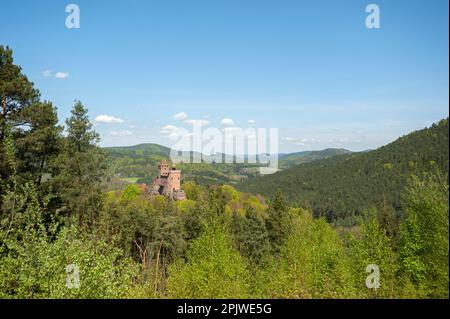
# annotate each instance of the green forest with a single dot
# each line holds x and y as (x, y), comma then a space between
(313, 230)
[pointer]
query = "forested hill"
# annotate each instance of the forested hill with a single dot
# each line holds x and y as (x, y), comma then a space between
(292, 159)
(343, 185)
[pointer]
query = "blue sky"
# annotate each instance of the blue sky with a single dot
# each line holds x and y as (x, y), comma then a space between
(309, 68)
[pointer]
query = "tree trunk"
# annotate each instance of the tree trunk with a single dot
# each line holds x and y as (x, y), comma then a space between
(41, 169)
(3, 119)
(157, 267)
(4, 107)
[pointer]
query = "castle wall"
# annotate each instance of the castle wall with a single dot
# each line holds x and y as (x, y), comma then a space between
(173, 181)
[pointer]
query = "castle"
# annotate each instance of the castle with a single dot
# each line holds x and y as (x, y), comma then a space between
(168, 182)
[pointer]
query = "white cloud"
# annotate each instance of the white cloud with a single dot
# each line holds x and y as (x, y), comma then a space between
(121, 133)
(180, 116)
(108, 119)
(310, 140)
(227, 122)
(47, 73)
(288, 139)
(167, 129)
(173, 132)
(251, 121)
(61, 75)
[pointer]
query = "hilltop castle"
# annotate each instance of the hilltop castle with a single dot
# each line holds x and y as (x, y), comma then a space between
(168, 182)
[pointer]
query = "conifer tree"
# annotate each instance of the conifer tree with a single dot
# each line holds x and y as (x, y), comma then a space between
(16, 95)
(278, 223)
(82, 168)
(40, 144)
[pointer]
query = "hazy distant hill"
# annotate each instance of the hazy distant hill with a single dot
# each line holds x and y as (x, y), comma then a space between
(139, 150)
(343, 185)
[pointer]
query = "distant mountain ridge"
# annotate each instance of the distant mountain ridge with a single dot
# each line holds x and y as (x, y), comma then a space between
(145, 147)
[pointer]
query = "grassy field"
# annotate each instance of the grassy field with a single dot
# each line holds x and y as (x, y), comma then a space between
(131, 180)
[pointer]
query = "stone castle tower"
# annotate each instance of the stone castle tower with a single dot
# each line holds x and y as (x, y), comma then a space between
(168, 182)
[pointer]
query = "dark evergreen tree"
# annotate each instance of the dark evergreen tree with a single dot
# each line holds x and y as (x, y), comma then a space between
(16, 95)
(278, 223)
(40, 143)
(251, 236)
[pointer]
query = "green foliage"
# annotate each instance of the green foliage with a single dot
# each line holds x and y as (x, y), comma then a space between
(33, 257)
(229, 192)
(214, 269)
(16, 91)
(39, 146)
(185, 206)
(130, 192)
(8, 165)
(424, 235)
(373, 247)
(18, 100)
(312, 264)
(80, 136)
(250, 235)
(192, 190)
(38, 269)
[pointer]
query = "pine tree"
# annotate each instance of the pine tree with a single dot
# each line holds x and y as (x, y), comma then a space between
(251, 235)
(81, 137)
(82, 167)
(278, 223)
(41, 143)
(16, 92)
(16, 95)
